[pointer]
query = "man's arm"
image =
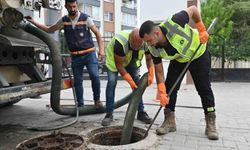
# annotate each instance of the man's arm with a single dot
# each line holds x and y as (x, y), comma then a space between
(125, 75)
(48, 29)
(118, 62)
(150, 66)
(149, 61)
(159, 74)
(99, 41)
(195, 15)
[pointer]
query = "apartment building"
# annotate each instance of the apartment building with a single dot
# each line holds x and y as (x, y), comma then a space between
(111, 16)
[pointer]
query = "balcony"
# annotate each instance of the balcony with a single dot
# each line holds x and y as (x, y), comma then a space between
(129, 4)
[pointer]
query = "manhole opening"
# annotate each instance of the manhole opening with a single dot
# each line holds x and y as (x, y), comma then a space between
(112, 135)
(59, 141)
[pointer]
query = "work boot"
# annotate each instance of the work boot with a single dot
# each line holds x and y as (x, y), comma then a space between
(98, 104)
(143, 116)
(107, 119)
(169, 124)
(211, 132)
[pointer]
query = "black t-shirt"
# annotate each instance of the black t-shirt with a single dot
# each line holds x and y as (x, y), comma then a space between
(118, 50)
(180, 18)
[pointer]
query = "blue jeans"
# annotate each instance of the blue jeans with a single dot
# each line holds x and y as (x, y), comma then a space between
(91, 62)
(111, 85)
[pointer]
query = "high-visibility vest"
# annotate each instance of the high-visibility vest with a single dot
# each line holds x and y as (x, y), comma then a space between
(184, 40)
(123, 39)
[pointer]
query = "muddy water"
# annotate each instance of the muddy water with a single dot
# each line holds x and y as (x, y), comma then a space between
(111, 136)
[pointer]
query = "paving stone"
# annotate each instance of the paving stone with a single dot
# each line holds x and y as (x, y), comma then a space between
(233, 125)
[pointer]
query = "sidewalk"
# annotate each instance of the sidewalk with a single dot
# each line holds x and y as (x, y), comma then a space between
(232, 107)
(233, 121)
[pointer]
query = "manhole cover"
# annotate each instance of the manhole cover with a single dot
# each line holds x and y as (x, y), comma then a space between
(59, 141)
(109, 137)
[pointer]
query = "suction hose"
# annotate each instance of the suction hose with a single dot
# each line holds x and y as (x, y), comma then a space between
(57, 75)
(56, 63)
(131, 111)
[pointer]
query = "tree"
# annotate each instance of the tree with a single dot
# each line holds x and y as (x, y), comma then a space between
(240, 37)
(233, 26)
(211, 9)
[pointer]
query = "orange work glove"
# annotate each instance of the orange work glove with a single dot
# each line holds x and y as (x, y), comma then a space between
(164, 99)
(202, 32)
(150, 75)
(131, 82)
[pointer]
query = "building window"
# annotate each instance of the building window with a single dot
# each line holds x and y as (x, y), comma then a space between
(129, 4)
(129, 20)
(87, 9)
(96, 13)
(108, 16)
(93, 11)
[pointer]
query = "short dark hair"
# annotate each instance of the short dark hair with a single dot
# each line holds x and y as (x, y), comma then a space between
(146, 27)
(70, 1)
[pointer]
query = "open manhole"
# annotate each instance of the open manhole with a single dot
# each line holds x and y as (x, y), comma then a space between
(109, 137)
(55, 141)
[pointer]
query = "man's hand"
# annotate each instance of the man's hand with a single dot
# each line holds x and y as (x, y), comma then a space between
(30, 19)
(101, 55)
(150, 75)
(202, 32)
(164, 99)
(129, 79)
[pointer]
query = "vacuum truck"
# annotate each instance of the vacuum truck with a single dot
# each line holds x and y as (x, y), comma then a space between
(24, 58)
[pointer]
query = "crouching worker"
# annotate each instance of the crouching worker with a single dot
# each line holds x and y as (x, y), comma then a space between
(124, 54)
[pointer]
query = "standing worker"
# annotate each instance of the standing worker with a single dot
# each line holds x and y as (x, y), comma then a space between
(124, 54)
(77, 26)
(174, 39)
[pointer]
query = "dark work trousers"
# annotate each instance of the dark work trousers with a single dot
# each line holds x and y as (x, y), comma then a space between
(200, 70)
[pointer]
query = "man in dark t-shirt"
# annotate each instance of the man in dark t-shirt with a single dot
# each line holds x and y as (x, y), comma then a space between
(175, 40)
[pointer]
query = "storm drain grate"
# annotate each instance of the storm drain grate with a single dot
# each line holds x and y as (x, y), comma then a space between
(59, 141)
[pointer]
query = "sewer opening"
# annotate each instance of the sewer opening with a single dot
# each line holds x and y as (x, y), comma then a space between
(58, 141)
(112, 135)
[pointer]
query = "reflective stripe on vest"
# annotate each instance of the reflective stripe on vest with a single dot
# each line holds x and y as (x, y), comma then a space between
(174, 30)
(125, 41)
(122, 38)
(184, 40)
(77, 24)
